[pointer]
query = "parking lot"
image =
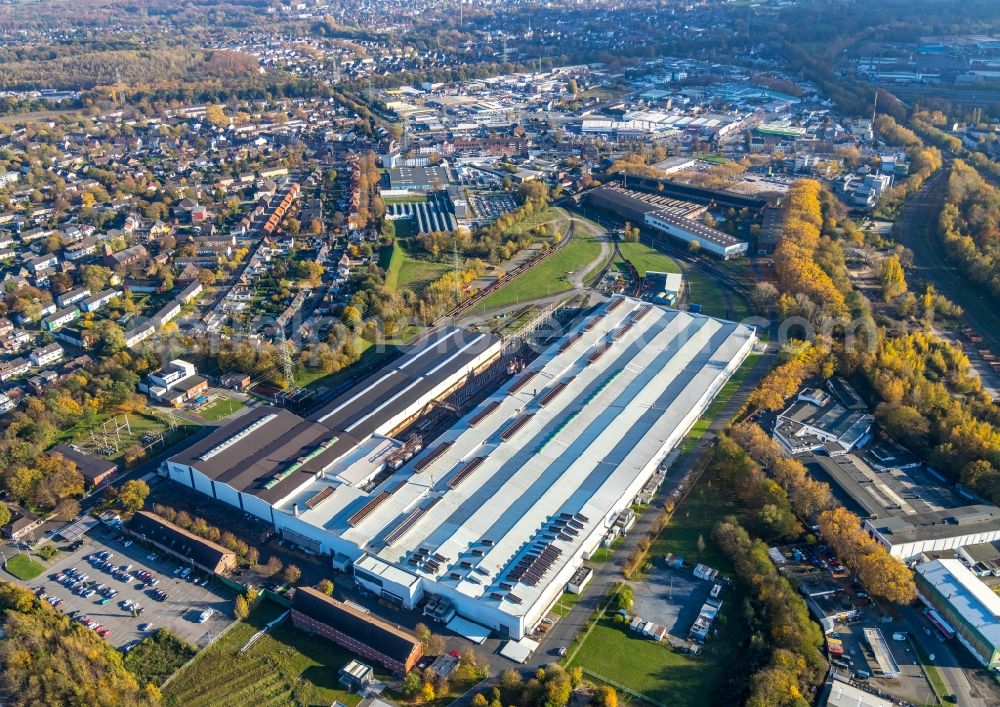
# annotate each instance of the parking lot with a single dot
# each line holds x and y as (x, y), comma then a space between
(179, 611)
(670, 597)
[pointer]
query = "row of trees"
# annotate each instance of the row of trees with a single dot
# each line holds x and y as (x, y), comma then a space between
(796, 664)
(924, 161)
(884, 576)
(795, 258)
(203, 529)
(969, 227)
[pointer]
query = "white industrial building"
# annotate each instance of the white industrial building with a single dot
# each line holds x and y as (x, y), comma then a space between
(499, 512)
(966, 604)
(908, 536)
(709, 239)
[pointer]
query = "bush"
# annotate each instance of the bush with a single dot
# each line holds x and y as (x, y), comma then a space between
(48, 552)
(158, 657)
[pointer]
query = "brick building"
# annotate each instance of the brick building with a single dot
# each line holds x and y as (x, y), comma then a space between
(353, 629)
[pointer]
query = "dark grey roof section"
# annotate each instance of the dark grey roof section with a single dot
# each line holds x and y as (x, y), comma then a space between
(203, 552)
(848, 485)
(249, 461)
(92, 467)
(934, 525)
(368, 630)
(276, 446)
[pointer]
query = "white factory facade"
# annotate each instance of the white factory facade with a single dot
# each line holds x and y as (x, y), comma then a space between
(498, 513)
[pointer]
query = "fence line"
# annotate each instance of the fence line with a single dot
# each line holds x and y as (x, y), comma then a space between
(622, 688)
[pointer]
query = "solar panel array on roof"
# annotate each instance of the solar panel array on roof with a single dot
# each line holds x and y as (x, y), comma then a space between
(366, 509)
(598, 352)
(515, 426)
(484, 413)
(408, 522)
(318, 498)
(643, 311)
(464, 472)
(572, 339)
(614, 304)
(532, 567)
(622, 330)
(431, 456)
(520, 382)
(551, 395)
(592, 322)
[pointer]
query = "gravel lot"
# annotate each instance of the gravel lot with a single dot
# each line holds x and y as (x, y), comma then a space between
(179, 612)
(671, 598)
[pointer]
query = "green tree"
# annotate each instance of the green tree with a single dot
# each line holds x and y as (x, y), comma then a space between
(606, 696)
(892, 278)
(206, 277)
(292, 574)
(4, 514)
(623, 597)
(112, 338)
(351, 316)
(412, 684)
(216, 117)
(241, 608)
(133, 494)
(95, 277)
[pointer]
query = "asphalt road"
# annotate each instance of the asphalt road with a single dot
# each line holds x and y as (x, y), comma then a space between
(917, 230)
(950, 665)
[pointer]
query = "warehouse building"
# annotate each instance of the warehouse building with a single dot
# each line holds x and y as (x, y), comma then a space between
(814, 423)
(495, 516)
(95, 470)
(675, 217)
(265, 455)
(966, 604)
(933, 531)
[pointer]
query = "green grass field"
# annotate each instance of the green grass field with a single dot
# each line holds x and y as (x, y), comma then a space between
(23, 567)
(140, 423)
(546, 215)
(405, 272)
(652, 669)
(714, 301)
(645, 258)
(548, 277)
(222, 406)
(285, 667)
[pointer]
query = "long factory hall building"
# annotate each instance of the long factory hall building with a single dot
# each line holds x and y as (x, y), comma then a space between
(497, 513)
